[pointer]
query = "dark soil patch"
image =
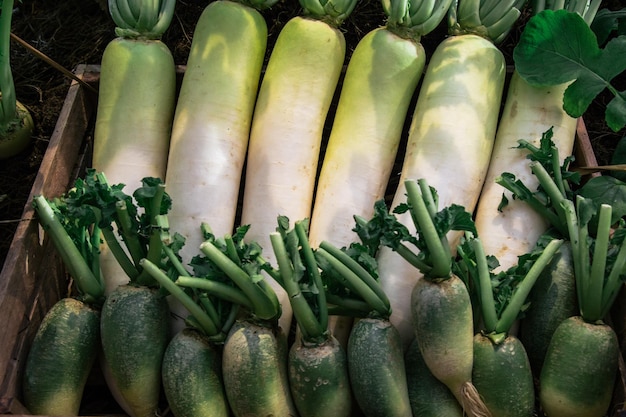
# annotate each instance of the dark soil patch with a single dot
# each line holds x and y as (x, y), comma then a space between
(73, 32)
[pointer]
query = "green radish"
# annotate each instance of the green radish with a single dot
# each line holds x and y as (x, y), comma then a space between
(441, 308)
(213, 114)
(192, 363)
(554, 297)
(599, 263)
(294, 99)
(581, 362)
(453, 128)
(529, 111)
(317, 362)
(192, 376)
(134, 321)
(375, 354)
(552, 300)
(136, 98)
(16, 122)
(501, 372)
(134, 333)
(68, 338)
(254, 359)
(429, 397)
(368, 122)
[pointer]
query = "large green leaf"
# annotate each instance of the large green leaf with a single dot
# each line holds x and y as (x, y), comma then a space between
(557, 47)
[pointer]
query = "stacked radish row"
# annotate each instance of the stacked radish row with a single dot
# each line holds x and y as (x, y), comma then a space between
(241, 150)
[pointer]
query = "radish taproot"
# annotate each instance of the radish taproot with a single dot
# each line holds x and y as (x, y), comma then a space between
(375, 354)
(529, 111)
(317, 362)
(453, 128)
(136, 98)
(69, 334)
(368, 123)
(442, 317)
(293, 103)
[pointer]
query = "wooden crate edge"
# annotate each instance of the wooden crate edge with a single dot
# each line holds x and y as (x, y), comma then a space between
(31, 262)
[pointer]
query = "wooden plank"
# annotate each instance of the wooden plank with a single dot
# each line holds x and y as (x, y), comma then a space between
(33, 277)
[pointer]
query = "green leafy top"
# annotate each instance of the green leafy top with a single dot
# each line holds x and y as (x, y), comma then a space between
(428, 250)
(501, 297)
(301, 279)
(562, 39)
(414, 19)
(142, 19)
(491, 19)
(333, 12)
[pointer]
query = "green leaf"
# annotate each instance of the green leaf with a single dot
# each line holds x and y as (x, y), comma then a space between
(607, 190)
(619, 157)
(558, 47)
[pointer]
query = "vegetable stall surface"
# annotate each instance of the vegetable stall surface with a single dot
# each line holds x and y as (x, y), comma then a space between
(16, 122)
(529, 111)
(136, 99)
(294, 99)
(68, 338)
(317, 362)
(379, 83)
(453, 128)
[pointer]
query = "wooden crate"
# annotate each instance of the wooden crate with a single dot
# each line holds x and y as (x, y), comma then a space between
(33, 277)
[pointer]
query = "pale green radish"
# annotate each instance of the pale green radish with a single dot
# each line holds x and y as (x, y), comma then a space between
(136, 98)
(286, 134)
(452, 130)
(379, 82)
(212, 121)
(528, 112)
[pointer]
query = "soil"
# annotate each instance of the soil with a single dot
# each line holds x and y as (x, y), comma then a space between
(73, 32)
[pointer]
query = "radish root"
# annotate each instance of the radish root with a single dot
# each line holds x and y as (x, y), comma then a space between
(473, 405)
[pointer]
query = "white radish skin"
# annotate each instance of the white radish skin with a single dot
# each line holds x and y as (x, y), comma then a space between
(380, 80)
(212, 121)
(529, 111)
(285, 139)
(212, 124)
(449, 145)
(136, 102)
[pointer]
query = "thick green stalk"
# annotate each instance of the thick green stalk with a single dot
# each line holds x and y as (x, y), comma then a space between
(357, 269)
(439, 251)
(265, 307)
(307, 322)
(145, 19)
(313, 270)
(487, 303)
(218, 289)
(8, 112)
(207, 324)
(88, 281)
(519, 297)
(356, 284)
(598, 265)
